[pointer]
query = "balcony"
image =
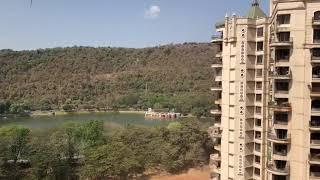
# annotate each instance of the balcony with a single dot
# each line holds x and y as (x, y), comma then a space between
(314, 156)
(281, 42)
(214, 176)
(219, 54)
(214, 132)
(216, 112)
(215, 157)
(282, 56)
(316, 74)
(248, 150)
(218, 102)
(315, 125)
(316, 21)
(315, 90)
(248, 161)
(278, 169)
(315, 59)
(280, 155)
(217, 38)
(218, 77)
(278, 106)
(315, 143)
(314, 172)
(217, 122)
(278, 138)
(315, 107)
(217, 147)
(282, 88)
(216, 88)
(281, 73)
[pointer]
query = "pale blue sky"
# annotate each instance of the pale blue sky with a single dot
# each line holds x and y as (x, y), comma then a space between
(125, 23)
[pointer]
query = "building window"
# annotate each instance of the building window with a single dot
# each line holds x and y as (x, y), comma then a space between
(257, 147)
(258, 85)
(283, 19)
(258, 110)
(281, 118)
(257, 171)
(284, 37)
(258, 122)
(280, 149)
(260, 59)
(282, 86)
(317, 16)
(314, 170)
(282, 54)
(315, 105)
(257, 135)
(257, 159)
(316, 35)
(259, 73)
(259, 46)
(316, 53)
(260, 32)
(316, 72)
(258, 97)
(281, 134)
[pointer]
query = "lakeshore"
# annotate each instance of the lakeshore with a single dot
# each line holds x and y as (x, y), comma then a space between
(59, 112)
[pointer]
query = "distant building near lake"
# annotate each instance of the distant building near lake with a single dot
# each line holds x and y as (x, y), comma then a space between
(267, 75)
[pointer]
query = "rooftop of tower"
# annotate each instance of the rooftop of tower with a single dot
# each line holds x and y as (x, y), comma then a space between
(255, 11)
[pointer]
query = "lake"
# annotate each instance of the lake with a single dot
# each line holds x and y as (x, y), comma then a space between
(110, 120)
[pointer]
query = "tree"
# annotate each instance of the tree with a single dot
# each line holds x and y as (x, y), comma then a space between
(113, 160)
(91, 133)
(15, 147)
(4, 107)
(45, 105)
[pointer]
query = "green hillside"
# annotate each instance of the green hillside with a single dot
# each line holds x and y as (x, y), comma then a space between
(171, 76)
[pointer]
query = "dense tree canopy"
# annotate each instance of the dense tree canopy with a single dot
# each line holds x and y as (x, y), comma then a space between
(88, 151)
(172, 76)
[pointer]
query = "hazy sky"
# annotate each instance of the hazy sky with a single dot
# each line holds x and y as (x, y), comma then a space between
(125, 23)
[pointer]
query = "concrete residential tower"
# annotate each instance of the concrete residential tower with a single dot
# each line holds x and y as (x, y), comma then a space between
(267, 120)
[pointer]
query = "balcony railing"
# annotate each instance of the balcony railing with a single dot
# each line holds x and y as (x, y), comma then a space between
(217, 64)
(314, 158)
(280, 107)
(272, 168)
(315, 77)
(276, 138)
(315, 91)
(280, 75)
(315, 175)
(216, 112)
(315, 110)
(314, 125)
(315, 142)
(215, 157)
(315, 21)
(274, 42)
(281, 153)
(216, 38)
(282, 123)
(219, 54)
(315, 59)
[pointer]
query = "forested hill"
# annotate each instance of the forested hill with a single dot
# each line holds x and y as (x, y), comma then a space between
(83, 77)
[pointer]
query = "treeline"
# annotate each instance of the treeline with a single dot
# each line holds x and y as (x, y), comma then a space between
(109, 78)
(87, 151)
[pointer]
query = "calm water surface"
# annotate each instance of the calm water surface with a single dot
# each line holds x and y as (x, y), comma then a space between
(110, 119)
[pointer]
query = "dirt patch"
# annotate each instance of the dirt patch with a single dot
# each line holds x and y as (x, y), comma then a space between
(192, 174)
